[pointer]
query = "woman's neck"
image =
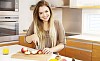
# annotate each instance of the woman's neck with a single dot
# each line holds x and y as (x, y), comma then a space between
(46, 26)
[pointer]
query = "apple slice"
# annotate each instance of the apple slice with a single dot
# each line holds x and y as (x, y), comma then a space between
(27, 52)
(40, 52)
(63, 59)
(34, 51)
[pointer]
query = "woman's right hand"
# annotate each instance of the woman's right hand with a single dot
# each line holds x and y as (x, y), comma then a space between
(35, 38)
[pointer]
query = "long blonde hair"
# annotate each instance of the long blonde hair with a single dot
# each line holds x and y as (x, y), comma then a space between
(38, 25)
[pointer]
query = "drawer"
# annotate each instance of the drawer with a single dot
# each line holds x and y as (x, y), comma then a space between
(86, 56)
(62, 52)
(79, 44)
(78, 54)
(96, 52)
(96, 46)
(95, 59)
(73, 53)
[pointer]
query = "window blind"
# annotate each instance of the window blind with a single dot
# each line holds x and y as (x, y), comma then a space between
(91, 23)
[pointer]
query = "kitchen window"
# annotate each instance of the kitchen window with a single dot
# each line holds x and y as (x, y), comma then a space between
(91, 21)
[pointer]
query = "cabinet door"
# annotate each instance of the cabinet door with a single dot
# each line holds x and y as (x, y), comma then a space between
(96, 52)
(62, 52)
(73, 4)
(84, 4)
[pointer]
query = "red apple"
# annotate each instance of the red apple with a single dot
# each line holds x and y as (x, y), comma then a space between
(63, 59)
(39, 52)
(24, 49)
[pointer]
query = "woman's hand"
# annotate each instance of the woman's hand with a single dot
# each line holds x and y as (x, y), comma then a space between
(35, 39)
(47, 51)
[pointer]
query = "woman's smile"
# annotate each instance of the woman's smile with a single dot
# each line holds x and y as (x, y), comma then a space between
(46, 17)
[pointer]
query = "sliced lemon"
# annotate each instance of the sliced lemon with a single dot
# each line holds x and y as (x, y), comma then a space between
(53, 60)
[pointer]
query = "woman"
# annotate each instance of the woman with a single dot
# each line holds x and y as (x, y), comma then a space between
(45, 32)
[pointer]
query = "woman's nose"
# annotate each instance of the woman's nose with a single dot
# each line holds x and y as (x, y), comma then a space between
(44, 14)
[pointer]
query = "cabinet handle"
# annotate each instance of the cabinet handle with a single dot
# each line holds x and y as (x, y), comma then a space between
(79, 48)
(96, 44)
(81, 41)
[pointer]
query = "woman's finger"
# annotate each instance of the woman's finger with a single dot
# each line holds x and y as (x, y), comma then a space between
(47, 51)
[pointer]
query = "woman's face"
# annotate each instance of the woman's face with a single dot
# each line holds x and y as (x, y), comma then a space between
(44, 13)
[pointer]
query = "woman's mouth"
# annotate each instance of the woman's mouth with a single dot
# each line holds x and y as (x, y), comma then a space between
(45, 17)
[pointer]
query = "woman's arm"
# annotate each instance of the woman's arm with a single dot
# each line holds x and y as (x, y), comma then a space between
(57, 48)
(32, 38)
(30, 33)
(53, 49)
(60, 37)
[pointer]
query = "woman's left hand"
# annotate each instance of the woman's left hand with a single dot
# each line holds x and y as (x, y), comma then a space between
(47, 51)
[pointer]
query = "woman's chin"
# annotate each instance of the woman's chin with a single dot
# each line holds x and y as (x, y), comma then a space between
(45, 20)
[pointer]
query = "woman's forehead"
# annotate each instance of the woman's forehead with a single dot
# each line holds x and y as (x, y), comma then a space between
(43, 8)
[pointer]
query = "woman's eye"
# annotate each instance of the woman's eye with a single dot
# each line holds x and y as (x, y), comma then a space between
(46, 11)
(40, 13)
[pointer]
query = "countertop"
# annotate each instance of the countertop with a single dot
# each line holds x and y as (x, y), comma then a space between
(13, 49)
(16, 48)
(93, 38)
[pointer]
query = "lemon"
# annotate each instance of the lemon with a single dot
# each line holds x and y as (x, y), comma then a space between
(5, 51)
(53, 60)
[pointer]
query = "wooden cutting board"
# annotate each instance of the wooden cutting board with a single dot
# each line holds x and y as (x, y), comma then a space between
(38, 57)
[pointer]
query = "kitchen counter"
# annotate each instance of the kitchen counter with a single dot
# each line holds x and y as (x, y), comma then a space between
(13, 49)
(16, 48)
(92, 38)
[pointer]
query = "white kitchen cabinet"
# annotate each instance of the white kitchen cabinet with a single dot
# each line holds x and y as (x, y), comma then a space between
(73, 3)
(84, 4)
(57, 4)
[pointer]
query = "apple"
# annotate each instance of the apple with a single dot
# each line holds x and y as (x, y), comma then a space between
(39, 52)
(63, 59)
(24, 49)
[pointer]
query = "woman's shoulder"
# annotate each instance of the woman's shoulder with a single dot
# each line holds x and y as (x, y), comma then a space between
(56, 21)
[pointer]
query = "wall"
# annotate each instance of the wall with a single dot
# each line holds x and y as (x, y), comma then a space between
(57, 14)
(72, 20)
(25, 14)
